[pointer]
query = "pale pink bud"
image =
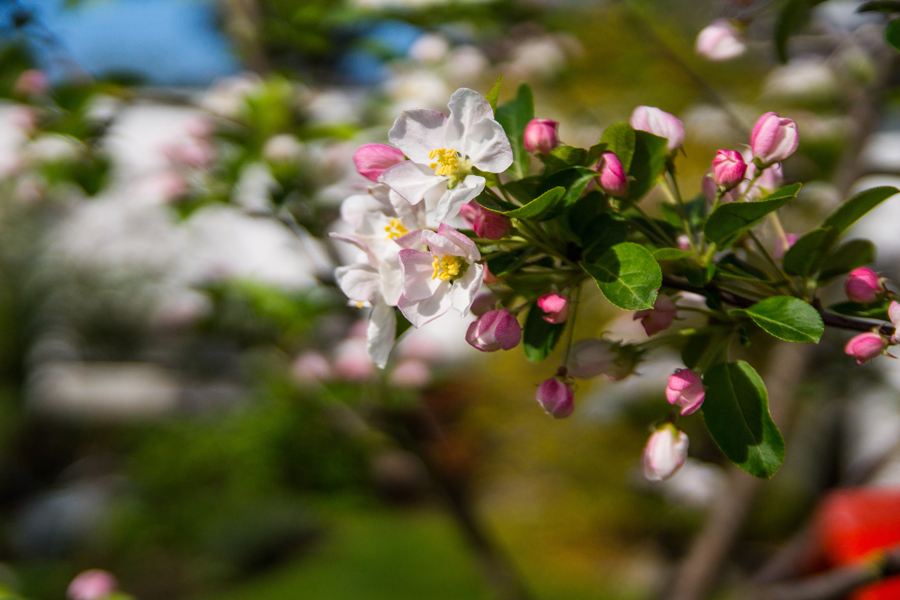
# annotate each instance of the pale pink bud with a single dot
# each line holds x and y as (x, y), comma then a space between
(773, 138)
(685, 390)
(556, 307)
(592, 357)
(613, 179)
(557, 398)
(541, 136)
(864, 286)
(720, 40)
(494, 330)
(372, 160)
(411, 374)
(659, 317)
(484, 302)
(866, 346)
(32, 83)
(665, 453)
(683, 243)
(488, 225)
(659, 122)
(311, 367)
(728, 168)
(92, 585)
(894, 315)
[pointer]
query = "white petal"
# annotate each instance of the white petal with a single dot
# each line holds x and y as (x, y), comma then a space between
(380, 334)
(419, 312)
(417, 132)
(411, 215)
(465, 246)
(356, 241)
(391, 280)
(467, 107)
(466, 288)
(488, 147)
(450, 203)
(413, 181)
(418, 275)
(361, 283)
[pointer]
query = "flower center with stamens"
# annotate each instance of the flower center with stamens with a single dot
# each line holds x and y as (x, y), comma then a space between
(395, 230)
(445, 267)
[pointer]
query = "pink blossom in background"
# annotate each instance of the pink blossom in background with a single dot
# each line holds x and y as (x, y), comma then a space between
(95, 584)
(411, 374)
(720, 40)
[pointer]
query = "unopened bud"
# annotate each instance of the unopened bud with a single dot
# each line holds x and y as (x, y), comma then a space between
(863, 285)
(773, 139)
(728, 168)
(557, 398)
(665, 453)
(660, 317)
(488, 225)
(613, 179)
(494, 330)
(541, 136)
(555, 306)
(685, 390)
(660, 123)
(866, 346)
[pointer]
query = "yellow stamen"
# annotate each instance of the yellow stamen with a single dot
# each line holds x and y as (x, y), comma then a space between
(445, 267)
(395, 230)
(446, 162)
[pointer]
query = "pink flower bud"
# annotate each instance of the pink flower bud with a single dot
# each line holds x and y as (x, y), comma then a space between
(894, 315)
(32, 83)
(728, 168)
(665, 453)
(556, 307)
(773, 138)
(720, 40)
(488, 225)
(541, 136)
(557, 398)
(484, 302)
(372, 160)
(411, 374)
(683, 243)
(685, 390)
(864, 286)
(92, 585)
(866, 346)
(659, 317)
(311, 368)
(494, 330)
(659, 122)
(592, 357)
(613, 179)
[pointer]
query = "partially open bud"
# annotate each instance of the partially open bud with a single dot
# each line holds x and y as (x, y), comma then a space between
(863, 285)
(660, 317)
(613, 179)
(659, 122)
(728, 168)
(483, 303)
(665, 453)
(541, 136)
(720, 40)
(372, 160)
(556, 307)
(557, 398)
(95, 584)
(685, 390)
(866, 346)
(773, 139)
(494, 330)
(488, 225)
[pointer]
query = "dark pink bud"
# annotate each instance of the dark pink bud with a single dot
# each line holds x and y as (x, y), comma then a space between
(866, 346)
(613, 180)
(541, 136)
(728, 168)
(557, 398)
(372, 160)
(773, 138)
(685, 390)
(659, 317)
(494, 330)
(488, 225)
(556, 307)
(659, 122)
(864, 286)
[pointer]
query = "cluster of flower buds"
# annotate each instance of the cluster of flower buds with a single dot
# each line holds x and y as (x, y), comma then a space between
(864, 286)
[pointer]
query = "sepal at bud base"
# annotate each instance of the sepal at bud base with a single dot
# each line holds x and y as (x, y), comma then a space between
(556, 397)
(666, 452)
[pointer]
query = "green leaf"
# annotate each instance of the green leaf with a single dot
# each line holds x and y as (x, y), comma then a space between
(868, 311)
(792, 17)
(892, 34)
(731, 219)
(524, 190)
(540, 337)
(582, 213)
(574, 180)
(493, 203)
(563, 157)
(603, 233)
(887, 6)
(507, 262)
(647, 163)
(627, 275)
(620, 139)
(402, 324)
(787, 318)
(804, 256)
(546, 206)
(736, 412)
(846, 257)
(671, 254)
(695, 348)
(514, 116)
(695, 209)
(850, 211)
(494, 94)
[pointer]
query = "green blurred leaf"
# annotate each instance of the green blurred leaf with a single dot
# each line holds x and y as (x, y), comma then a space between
(671, 254)
(792, 17)
(494, 94)
(736, 412)
(620, 139)
(846, 257)
(731, 219)
(804, 256)
(850, 211)
(504, 264)
(514, 116)
(867, 311)
(540, 337)
(627, 275)
(647, 163)
(563, 157)
(604, 232)
(787, 318)
(887, 6)
(892, 34)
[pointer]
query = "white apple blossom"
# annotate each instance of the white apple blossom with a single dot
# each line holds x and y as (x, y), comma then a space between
(447, 275)
(442, 152)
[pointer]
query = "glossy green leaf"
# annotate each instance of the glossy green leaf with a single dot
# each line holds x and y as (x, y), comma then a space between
(493, 203)
(620, 139)
(507, 262)
(731, 219)
(736, 412)
(892, 34)
(627, 275)
(671, 254)
(787, 318)
(574, 180)
(540, 337)
(804, 257)
(850, 211)
(545, 206)
(514, 116)
(647, 164)
(886, 6)
(563, 157)
(846, 257)
(494, 94)
(603, 233)
(582, 213)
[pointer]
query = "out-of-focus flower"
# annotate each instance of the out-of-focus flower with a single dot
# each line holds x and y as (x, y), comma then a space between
(447, 275)
(613, 179)
(442, 152)
(863, 285)
(683, 242)
(555, 306)
(728, 168)
(541, 136)
(894, 315)
(228, 97)
(658, 122)
(283, 148)
(685, 390)
(411, 374)
(556, 397)
(720, 40)
(593, 356)
(94, 584)
(665, 453)
(352, 362)
(494, 330)
(486, 224)
(194, 153)
(660, 317)
(429, 48)
(311, 367)
(866, 346)
(773, 139)
(32, 83)
(372, 160)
